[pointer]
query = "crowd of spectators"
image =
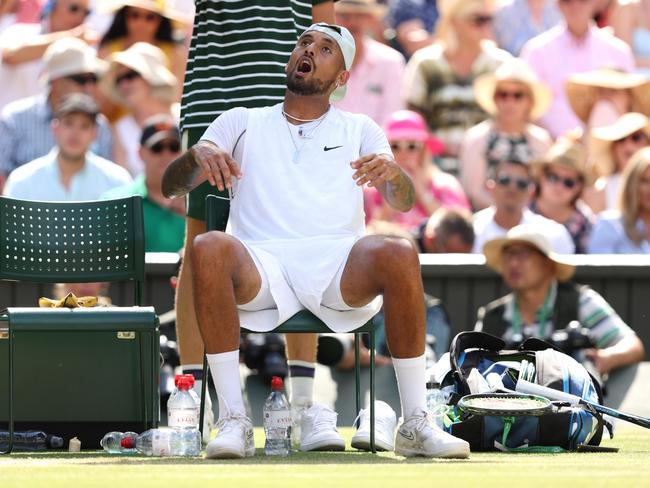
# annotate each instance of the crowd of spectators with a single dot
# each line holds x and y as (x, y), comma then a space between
(502, 112)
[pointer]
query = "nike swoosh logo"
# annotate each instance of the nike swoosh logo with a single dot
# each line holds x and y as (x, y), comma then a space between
(407, 435)
(325, 148)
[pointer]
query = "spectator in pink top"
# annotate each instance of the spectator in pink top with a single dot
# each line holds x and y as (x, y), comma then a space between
(575, 46)
(376, 76)
(413, 148)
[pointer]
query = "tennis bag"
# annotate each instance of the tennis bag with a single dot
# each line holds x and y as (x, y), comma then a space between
(475, 355)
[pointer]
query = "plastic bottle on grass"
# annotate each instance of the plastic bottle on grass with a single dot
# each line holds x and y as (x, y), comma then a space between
(30, 440)
(155, 442)
(182, 408)
(436, 404)
(112, 442)
(277, 421)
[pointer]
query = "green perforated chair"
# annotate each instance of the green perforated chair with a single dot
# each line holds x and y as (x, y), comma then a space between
(303, 322)
(97, 366)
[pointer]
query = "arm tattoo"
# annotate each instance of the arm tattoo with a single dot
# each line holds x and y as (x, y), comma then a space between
(400, 193)
(180, 176)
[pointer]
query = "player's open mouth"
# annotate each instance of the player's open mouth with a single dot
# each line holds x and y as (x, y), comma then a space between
(304, 66)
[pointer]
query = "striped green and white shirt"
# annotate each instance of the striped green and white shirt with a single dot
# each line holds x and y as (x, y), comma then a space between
(606, 327)
(237, 55)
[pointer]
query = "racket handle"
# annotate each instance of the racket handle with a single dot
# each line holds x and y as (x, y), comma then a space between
(524, 386)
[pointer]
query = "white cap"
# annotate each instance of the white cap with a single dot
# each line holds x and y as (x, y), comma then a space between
(70, 56)
(345, 42)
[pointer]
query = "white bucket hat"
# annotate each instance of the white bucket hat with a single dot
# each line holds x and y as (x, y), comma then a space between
(526, 234)
(70, 56)
(148, 61)
(345, 41)
(515, 70)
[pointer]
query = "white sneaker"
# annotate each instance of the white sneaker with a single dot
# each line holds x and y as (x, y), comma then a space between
(208, 419)
(385, 422)
(234, 439)
(318, 430)
(416, 436)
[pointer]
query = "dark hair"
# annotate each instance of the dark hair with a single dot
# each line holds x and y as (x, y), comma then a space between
(452, 221)
(117, 30)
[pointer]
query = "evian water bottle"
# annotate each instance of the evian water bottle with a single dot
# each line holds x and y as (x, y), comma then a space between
(277, 421)
(182, 408)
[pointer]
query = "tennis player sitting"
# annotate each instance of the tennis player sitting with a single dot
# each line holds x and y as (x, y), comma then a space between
(296, 241)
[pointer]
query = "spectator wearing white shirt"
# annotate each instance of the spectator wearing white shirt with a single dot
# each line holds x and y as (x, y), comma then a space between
(70, 172)
(511, 187)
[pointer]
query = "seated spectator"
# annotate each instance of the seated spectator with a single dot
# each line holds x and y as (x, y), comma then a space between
(70, 172)
(438, 78)
(377, 71)
(561, 176)
(18, 11)
(511, 187)
(631, 23)
(448, 230)
(601, 96)
(513, 97)
(23, 45)
(517, 21)
(625, 230)
(150, 21)
(164, 219)
(138, 79)
(612, 147)
(412, 23)
(25, 133)
(574, 46)
(413, 147)
(544, 300)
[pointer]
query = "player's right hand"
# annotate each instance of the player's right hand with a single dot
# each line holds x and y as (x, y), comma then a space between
(216, 164)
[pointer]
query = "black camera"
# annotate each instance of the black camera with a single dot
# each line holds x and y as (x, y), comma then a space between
(573, 340)
(265, 353)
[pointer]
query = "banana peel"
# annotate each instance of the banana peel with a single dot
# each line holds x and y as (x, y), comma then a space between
(69, 301)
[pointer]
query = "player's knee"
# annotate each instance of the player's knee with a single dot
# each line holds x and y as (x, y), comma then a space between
(396, 254)
(214, 247)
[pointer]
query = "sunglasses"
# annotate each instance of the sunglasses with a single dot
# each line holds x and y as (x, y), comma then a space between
(83, 80)
(505, 95)
(172, 146)
(636, 138)
(128, 76)
(405, 146)
(481, 20)
(507, 180)
(135, 15)
(75, 8)
(554, 178)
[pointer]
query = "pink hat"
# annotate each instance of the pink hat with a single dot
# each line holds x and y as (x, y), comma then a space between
(410, 126)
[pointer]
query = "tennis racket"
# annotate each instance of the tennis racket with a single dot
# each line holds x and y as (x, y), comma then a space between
(556, 395)
(505, 404)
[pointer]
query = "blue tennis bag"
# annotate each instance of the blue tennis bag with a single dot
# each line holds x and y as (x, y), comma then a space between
(478, 360)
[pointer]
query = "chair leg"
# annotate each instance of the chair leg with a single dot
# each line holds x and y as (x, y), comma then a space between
(204, 388)
(372, 391)
(357, 373)
(10, 445)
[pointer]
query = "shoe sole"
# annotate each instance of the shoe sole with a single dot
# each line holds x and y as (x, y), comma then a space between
(462, 453)
(329, 445)
(225, 453)
(363, 444)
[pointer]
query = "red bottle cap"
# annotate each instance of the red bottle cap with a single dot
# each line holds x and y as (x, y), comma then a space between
(276, 383)
(127, 443)
(187, 380)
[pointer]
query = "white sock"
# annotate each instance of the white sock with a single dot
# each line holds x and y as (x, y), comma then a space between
(301, 381)
(225, 374)
(410, 373)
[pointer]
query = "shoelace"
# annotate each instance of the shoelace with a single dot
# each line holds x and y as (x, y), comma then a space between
(420, 420)
(229, 422)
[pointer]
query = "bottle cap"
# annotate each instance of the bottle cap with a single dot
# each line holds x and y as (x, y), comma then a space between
(276, 383)
(190, 378)
(184, 381)
(127, 443)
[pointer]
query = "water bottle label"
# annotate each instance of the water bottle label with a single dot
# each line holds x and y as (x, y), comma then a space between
(183, 418)
(160, 443)
(280, 418)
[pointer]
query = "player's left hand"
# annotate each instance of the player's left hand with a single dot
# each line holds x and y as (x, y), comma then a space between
(375, 169)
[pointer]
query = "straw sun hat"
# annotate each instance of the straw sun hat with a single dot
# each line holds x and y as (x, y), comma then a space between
(518, 71)
(582, 89)
(148, 61)
(530, 235)
(161, 7)
(603, 138)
